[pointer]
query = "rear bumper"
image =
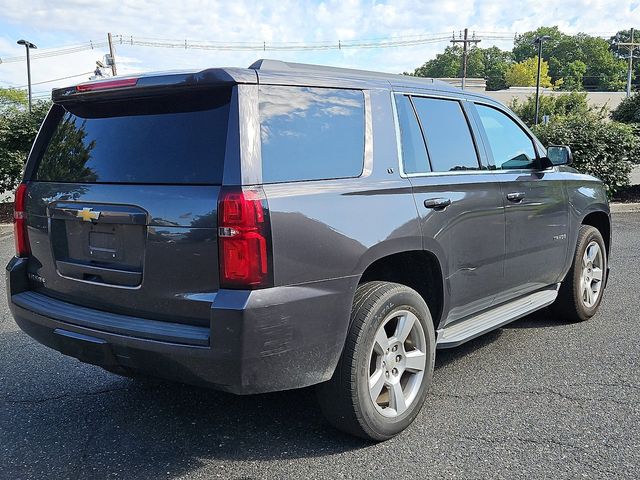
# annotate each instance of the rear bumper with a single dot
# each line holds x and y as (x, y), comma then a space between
(258, 341)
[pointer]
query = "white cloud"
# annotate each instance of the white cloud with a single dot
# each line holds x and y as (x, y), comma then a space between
(76, 21)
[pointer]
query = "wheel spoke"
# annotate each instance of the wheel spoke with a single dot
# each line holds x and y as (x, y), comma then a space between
(585, 292)
(415, 361)
(597, 274)
(589, 295)
(376, 382)
(396, 398)
(381, 341)
(405, 325)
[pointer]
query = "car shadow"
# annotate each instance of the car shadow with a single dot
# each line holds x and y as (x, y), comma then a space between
(78, 417)
(446, 356)
(544, 318)
(68, 413)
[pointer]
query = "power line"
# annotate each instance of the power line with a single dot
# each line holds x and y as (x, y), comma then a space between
(56, 79)
(364, 43)
(130, 40)
(90, 45)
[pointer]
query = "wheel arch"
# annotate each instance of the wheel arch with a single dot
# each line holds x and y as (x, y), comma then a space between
(602, 222)
(420, 270)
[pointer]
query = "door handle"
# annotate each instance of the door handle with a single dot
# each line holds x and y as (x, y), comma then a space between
(437, 203)
(515, 196)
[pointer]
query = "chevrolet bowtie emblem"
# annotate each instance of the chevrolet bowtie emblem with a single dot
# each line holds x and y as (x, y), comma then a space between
(87, 214)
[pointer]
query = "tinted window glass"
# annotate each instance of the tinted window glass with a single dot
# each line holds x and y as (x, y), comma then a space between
(447, 133)
(414, 153)
(180, 139)
(510, 145)
(311, 133)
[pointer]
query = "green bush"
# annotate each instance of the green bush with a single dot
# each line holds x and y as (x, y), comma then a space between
(601, 148)
(18, 129)
(574, 103)
(629, 110)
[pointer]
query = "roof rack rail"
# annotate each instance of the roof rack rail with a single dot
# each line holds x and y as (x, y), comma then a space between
(282, 66)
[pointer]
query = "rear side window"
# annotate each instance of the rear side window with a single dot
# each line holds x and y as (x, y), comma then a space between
(156, 140)
(447, 134)
(510, 145)
(414, 152)
(311, 133)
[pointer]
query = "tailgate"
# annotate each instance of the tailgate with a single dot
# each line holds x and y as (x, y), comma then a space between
(122, 206)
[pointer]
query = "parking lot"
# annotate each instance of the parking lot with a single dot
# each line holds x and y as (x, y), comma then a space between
(538, 398)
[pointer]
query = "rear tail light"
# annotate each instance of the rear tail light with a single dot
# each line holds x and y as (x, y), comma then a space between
(244, 239)
(119, 83)
(20, 221)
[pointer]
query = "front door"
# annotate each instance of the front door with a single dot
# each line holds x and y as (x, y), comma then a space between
(536, 208)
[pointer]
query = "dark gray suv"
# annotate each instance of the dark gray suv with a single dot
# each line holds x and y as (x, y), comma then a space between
(288, 225)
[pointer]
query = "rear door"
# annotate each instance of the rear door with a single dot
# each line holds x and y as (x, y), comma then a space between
(458, 199)
(536, 207)
(122, 204)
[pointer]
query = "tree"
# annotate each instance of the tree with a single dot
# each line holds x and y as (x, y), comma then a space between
(629, 110)
(445, 65)
(524, 74)
(495, 63)
(524, 46)
(572, 75)
(562, 105)
(624, 36)
(604, 71)
(18, 129)
(12, 98)
(489, 63)
(600, 147)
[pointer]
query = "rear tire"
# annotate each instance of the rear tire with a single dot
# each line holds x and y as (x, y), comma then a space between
(581, 291)
(386, 367)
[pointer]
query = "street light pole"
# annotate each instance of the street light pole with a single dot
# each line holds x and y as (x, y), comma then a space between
(539, 41)
(28, 46)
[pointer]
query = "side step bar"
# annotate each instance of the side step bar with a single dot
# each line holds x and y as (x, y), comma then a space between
(465, 330)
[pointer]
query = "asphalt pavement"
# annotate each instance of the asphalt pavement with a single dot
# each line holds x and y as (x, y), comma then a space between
(537, 399)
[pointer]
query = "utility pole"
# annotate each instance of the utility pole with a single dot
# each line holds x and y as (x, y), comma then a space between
(538, 41)
(114, 72)
(28, 45)
(465, 50)
(631, 47)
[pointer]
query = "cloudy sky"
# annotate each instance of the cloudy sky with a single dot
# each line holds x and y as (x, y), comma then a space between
(55, 24)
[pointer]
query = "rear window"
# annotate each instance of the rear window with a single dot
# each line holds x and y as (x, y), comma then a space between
(311, 133)
(174, 139)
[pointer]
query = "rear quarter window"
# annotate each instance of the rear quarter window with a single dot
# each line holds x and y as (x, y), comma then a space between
(311, 133)
(177, 139)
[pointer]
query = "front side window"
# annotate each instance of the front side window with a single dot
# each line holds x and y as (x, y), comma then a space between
(311, 133)
(511, 147)
(447, 134)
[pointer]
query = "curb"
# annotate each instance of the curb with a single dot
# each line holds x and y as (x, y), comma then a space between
(619, 207)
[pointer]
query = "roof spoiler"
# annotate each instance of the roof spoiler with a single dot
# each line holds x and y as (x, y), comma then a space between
(137, 85)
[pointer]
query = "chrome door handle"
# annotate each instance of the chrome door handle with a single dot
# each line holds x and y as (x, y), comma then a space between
(515, 196)
(437, 203)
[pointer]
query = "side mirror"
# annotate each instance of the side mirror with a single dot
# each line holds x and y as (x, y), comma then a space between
(558, 155)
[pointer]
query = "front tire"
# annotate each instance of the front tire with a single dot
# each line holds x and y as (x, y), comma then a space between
(386, 367)
(581, 291)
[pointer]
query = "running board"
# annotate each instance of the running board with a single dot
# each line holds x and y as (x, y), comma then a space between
(465, 330)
